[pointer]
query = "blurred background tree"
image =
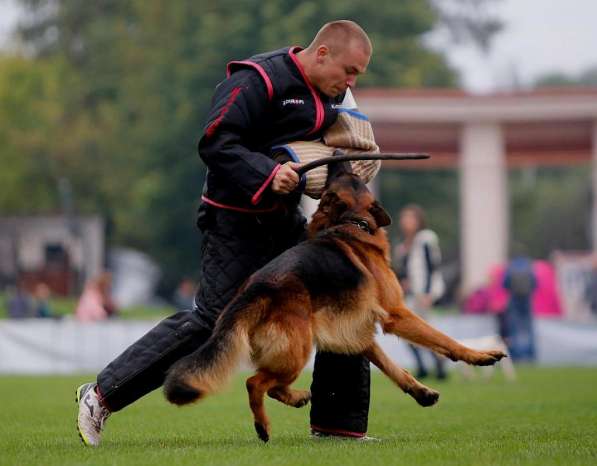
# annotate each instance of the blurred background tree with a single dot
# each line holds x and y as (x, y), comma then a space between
(550, 209)
(111, 95)
(555, 201)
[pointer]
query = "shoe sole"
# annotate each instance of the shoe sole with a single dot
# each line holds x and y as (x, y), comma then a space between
(78, 400)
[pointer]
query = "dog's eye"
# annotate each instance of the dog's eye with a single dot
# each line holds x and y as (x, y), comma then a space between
(363, 225)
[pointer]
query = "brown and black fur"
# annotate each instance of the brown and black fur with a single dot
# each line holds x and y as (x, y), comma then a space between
(330, 290)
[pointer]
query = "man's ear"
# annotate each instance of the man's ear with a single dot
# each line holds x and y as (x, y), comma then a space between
(382, 218)
(322, 51)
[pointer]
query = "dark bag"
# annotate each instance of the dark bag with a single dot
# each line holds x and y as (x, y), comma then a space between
(522, 281)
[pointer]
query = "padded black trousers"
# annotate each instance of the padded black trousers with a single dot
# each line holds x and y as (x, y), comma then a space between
(234, 246)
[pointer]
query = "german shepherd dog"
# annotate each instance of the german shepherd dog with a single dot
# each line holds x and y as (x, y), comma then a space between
(330, 290)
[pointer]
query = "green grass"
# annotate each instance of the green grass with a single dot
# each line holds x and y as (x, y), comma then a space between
(549, 416)
(65, 306)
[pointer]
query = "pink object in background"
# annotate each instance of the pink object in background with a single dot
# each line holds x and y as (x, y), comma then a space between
(90, 307)
(498, 295)
(95, 302)
(476, 302)
(494, 298)
(546, 300)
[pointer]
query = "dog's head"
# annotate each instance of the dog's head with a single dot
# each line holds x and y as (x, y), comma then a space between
(347, 200)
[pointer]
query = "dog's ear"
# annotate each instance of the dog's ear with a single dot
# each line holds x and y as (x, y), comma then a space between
(336, 169)
(331, 202)
(332, 206)
(382, 218)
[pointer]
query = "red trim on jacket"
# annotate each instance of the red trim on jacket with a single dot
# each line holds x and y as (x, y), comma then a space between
(344, 433)
(211, 129)
(257, 196)
(319, 112)
(260, 70)
(239, 209)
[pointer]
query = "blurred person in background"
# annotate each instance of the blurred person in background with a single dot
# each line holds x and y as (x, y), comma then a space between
(591, 290)
(18, 303)
(184, 296)
(96, 300)
(517, 330)
(416, 261)
(249, 215)
(41, 300)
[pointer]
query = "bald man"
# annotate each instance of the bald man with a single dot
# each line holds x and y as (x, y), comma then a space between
(250, 214)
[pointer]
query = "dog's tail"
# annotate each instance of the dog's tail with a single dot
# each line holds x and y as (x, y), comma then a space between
(207, 369)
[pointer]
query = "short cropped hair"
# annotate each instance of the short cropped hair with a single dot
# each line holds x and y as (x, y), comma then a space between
(337, 35)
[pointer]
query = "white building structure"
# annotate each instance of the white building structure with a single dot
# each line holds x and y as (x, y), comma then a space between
(51, 249)
(482, 136)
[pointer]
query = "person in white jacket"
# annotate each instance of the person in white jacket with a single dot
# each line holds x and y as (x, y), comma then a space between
(416, 262)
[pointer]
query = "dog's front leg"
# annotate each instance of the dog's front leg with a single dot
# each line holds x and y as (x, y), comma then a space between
(406, 324)
(425, 396)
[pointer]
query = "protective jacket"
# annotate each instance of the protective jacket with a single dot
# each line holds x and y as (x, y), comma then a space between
(264, 102)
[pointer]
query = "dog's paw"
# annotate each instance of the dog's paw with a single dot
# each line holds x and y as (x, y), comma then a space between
(488, 358)
(425, 396)
(262, 432)
(303, 398)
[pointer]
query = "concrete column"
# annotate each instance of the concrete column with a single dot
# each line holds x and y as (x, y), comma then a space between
(594, 186)
(483, 201)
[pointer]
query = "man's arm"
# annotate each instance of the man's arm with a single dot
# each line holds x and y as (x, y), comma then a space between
(239, 107)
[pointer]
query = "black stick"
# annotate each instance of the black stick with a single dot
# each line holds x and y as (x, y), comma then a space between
(362, 156)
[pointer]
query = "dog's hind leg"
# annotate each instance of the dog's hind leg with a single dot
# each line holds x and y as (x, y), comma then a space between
(257, 386)
(289, 396)
(294, 361)
(423, 395)
(283, 350)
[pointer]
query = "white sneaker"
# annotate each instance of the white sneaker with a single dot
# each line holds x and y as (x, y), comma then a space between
(92, 415)
(366, 438)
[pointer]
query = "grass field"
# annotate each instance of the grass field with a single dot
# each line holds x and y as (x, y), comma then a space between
(65, 307)
(549, 416)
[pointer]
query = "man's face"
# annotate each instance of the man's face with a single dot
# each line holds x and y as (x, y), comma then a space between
(337, 71)
(409, 222)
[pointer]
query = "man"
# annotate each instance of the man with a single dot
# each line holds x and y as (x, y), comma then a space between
(248, 216)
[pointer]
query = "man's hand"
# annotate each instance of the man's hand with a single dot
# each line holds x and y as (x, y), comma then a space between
(286, 179)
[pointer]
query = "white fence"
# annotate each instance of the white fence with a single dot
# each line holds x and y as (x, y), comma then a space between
(41, 346)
